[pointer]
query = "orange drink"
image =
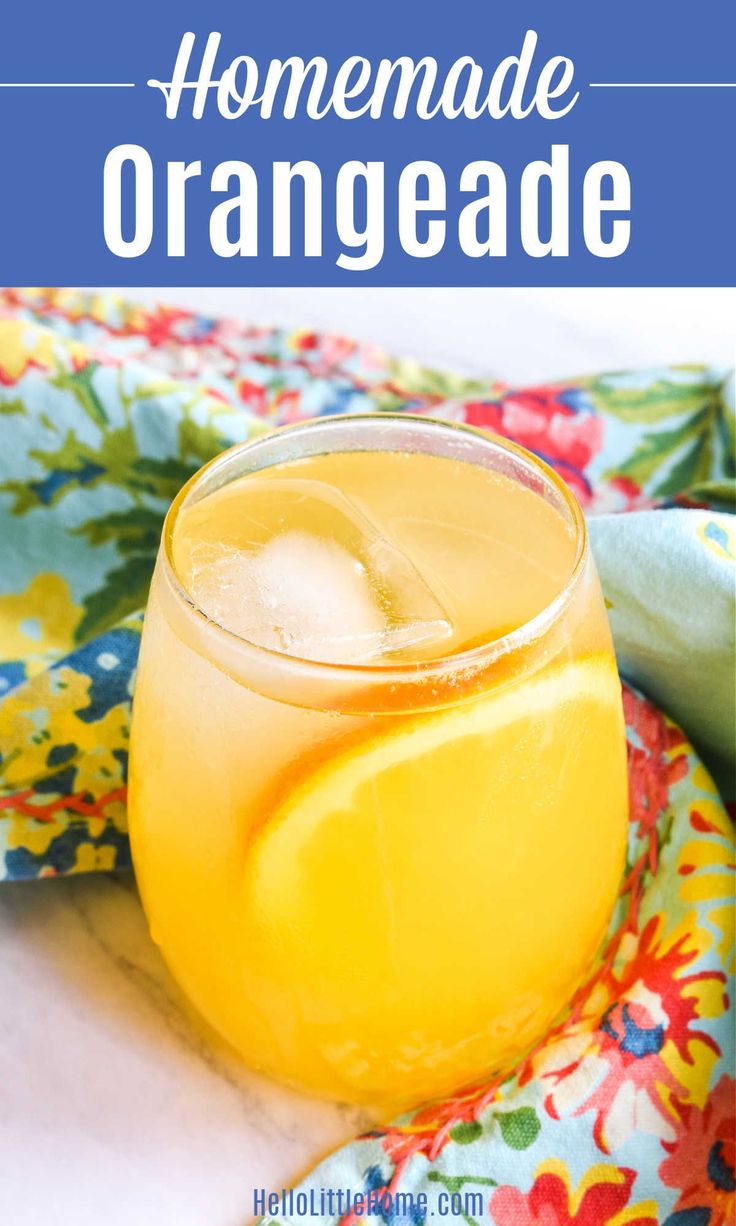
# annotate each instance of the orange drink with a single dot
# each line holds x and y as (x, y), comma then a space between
(378, 791)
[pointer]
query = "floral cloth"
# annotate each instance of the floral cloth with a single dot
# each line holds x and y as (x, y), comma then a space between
(625, 1113)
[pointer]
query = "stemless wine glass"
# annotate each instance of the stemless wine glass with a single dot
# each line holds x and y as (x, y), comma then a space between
(378, 865)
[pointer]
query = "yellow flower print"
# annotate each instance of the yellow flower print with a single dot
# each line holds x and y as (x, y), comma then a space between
(90, 859)
(44, 712)
(35, 716)
(24, 344)
(706, 868)
(38, 625)
(96, 743)
(603, 1196)
(36, 837)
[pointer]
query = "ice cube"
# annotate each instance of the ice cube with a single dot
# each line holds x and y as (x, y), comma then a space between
(314, 578)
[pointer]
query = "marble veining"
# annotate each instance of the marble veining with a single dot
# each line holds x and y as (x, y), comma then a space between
(115, 1105)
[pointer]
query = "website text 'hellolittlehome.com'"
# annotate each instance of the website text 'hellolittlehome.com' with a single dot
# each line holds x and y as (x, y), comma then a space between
(372, 1205)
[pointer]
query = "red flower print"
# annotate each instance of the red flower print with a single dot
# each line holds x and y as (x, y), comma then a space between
(629, 490)
(159, 325)
(253, 395)
(624, 1071)
(334, 351)
(702, 1158)
(653, 1018)
(556, 423)
(287, 404)
(654, 766)
(306, 340)
(599, 1200)
(322, 353)
(431, 1126)
(215, 393)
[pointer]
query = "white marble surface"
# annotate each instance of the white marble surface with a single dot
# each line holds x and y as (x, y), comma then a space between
(114, 1109)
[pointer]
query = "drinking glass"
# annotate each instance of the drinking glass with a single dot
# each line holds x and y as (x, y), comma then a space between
(379, 878)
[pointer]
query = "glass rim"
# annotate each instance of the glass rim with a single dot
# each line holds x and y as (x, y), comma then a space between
(477, 656)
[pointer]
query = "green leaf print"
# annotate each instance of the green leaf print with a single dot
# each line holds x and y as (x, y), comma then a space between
(8, 407)
(72, 465)
(161, 478)
(136, 530)
(121, 461)
(466, 1132)
(519, 1128)
(698, 448)
(79, 382)
(657, 449)
(410, 378)
(125, 590)
(720, 495)
(653, 402)
(694, 465)
(456, 1183)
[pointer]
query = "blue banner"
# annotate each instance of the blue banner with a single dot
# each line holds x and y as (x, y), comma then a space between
(392, 143)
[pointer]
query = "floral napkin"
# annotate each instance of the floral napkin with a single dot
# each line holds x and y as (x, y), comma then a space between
(625, 1113)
